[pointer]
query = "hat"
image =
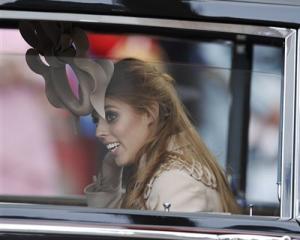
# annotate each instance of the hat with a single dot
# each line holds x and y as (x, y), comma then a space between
(61, 44)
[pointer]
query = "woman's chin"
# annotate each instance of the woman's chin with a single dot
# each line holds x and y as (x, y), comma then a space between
(121, 162)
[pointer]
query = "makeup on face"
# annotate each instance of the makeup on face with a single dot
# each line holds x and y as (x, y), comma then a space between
(124, 131)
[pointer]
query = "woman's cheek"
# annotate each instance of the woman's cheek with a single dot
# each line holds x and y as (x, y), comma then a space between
(121, 133)
(125, 127)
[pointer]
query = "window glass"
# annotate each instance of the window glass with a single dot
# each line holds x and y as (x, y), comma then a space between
(48, 152)
(264, 125)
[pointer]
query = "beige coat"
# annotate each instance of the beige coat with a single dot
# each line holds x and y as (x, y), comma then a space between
(188, 188)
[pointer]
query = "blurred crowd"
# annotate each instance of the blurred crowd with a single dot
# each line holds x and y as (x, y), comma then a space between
(42, 152)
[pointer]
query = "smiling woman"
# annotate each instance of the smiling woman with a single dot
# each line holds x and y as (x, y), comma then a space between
(124, 132)
(146, 128)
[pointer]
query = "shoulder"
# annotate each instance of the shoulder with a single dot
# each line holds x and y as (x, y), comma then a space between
(192, 169)
(186, 187)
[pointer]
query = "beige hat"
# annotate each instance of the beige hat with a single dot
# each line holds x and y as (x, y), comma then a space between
(61, 44)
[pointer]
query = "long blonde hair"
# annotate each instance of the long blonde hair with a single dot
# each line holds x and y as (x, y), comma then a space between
(140, 85)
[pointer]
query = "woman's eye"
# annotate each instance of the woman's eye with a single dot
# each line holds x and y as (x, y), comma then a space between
(111, 116)
(95, 120)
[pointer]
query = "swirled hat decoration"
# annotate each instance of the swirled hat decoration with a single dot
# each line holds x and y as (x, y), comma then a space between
(62, 44)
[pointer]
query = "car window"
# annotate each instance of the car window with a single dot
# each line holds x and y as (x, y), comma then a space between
(231, 87)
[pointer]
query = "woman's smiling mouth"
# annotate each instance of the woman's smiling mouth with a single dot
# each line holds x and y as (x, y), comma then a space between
(112, 147)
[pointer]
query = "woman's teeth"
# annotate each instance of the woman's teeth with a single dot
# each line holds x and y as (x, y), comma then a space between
(112, 146)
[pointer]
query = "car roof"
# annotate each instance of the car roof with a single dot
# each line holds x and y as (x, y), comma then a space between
(281, 13)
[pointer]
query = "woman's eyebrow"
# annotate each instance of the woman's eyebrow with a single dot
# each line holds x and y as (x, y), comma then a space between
(109, 106)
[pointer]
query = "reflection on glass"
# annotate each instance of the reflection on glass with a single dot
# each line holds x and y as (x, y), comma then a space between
(264, 126)
(42, 154)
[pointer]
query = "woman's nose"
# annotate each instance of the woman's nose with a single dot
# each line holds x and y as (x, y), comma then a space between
(102, 129)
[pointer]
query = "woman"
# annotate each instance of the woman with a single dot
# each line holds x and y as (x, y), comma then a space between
(146, 128)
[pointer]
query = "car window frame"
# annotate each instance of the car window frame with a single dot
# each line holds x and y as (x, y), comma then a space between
(297, 137)
(288, 36)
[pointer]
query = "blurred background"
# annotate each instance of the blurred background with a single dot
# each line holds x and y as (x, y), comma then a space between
(43, 153)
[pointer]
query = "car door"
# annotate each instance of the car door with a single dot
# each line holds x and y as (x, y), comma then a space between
(238, 82)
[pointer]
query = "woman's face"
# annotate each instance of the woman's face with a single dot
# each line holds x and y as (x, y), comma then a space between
(124, 131)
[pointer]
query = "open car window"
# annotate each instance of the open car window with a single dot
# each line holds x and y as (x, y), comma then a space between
(233, 87)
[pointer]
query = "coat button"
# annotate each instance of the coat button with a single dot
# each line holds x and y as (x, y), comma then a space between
(167, 206)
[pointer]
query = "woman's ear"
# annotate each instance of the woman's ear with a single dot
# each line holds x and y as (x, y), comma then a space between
(152, 113)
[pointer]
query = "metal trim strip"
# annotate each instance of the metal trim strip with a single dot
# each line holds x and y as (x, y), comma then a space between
(287, 126)
(297, 135)
(77, 229)
(150, 22)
